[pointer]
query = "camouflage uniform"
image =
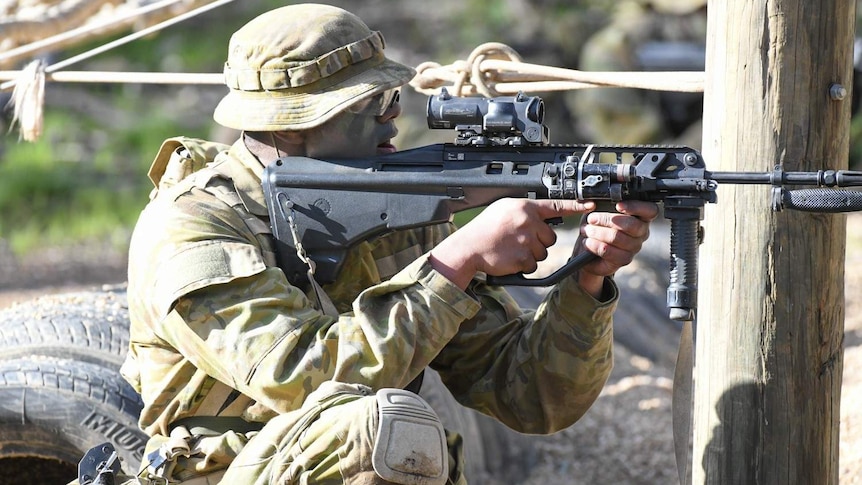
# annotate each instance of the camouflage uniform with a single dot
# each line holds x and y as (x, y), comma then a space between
(287, 392)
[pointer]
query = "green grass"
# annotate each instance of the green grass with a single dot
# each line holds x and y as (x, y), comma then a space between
(77, 183)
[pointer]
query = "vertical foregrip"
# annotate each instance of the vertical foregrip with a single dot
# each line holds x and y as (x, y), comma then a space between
(684, 241)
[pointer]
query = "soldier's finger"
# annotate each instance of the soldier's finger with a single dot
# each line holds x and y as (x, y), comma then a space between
(645, 211)
(548, 208)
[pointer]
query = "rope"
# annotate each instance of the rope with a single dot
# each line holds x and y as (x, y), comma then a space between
(29, 99)
(125, 40)
(126, 77)
(495, 69)
(491, 70)
(85, 30)
(29, 96)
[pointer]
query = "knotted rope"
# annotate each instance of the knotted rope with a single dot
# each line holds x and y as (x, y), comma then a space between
(495, 69)
(492, 69)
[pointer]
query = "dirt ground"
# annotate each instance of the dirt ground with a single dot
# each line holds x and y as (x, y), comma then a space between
(626, 436)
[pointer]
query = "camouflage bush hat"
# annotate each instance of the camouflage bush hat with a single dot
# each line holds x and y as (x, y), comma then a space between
(295, 67)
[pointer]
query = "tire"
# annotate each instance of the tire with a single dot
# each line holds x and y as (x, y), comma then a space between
(54, 410)
(88, 327)
(91, 330)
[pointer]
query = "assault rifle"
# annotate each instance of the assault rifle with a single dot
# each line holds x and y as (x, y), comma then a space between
(320, 208)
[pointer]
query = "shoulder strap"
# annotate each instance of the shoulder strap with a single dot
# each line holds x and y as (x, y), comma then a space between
(261, 230)
(181, 156)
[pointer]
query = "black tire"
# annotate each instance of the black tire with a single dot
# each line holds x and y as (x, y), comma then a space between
(91, 329)
(86, 327)
(54, 410)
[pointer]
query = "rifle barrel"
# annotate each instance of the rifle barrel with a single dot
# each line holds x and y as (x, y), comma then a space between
(820, 178)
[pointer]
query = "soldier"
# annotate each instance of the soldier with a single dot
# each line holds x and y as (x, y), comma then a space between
(249, 378)
(634, 116)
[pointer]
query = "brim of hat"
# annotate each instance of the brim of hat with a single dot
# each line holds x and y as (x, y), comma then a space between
(289, 109)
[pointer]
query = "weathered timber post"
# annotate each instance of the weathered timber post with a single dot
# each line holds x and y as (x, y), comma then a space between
(770, 328)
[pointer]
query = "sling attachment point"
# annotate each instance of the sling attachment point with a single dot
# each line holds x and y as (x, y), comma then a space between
(323, 300)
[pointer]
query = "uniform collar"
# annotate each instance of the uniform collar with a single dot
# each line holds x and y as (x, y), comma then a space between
(247, 176)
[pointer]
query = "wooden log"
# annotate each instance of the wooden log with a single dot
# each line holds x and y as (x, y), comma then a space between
(770, 329)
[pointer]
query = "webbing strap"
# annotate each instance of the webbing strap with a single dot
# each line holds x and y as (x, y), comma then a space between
(260, 229)
(293, 75)
(237, 406)
(682, 401)
(263, 234)
(325, 303)
(215, 399)
(215, 425)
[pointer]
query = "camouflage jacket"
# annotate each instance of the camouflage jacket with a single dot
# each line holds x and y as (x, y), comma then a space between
(217, 330)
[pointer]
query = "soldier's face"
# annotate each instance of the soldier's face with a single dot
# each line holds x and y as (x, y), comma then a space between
(355, 133)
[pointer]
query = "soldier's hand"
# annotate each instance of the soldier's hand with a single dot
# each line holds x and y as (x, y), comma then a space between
(616, 238)
(509, 236)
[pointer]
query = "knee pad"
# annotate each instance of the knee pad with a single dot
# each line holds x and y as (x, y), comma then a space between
(410, 447)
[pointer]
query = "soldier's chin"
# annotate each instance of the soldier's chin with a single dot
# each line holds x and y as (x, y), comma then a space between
(386, 148)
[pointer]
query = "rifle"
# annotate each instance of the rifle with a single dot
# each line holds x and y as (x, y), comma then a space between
(320, 208)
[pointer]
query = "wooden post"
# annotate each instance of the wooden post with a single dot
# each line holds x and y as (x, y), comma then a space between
(770, 328)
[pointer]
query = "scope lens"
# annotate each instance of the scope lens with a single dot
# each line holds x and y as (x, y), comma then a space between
(536, 110)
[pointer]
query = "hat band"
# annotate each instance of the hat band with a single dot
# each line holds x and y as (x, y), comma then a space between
(308, 72)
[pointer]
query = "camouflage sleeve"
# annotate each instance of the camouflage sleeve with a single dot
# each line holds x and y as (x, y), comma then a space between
(194, 261)
(266, 334)
(537, 372)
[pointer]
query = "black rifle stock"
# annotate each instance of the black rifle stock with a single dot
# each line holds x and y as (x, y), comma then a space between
(500, 151)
